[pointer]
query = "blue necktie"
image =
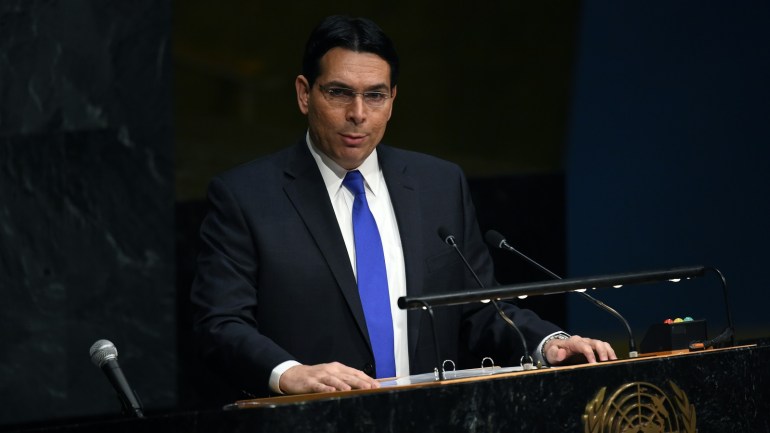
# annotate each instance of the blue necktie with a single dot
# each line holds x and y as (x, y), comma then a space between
(372, 278)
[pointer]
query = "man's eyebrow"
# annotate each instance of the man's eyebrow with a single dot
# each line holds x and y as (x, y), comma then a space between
(381, 87)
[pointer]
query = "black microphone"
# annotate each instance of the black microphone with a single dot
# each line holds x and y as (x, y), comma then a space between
(104, 355)
(496, 240)
(449, 239)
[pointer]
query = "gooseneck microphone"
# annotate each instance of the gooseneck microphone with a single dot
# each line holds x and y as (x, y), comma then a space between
(449, 239)
(496, 240)
(104, 355)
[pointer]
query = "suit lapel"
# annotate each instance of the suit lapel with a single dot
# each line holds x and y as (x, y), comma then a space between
(305, 189)
(404, 195)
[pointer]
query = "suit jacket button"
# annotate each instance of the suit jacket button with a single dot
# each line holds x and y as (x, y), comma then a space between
(369, 369)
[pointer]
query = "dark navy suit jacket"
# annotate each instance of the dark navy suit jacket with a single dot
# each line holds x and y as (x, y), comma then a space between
(274, 280)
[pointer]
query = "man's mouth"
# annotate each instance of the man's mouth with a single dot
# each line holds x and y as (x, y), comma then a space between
(353, 139)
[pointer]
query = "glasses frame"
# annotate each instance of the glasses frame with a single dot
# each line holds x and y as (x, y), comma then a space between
(348, 95)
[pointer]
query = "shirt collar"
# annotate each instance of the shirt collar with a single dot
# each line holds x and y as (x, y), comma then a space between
(333, 174)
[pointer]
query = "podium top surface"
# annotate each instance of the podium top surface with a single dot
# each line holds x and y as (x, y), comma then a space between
(481, 374)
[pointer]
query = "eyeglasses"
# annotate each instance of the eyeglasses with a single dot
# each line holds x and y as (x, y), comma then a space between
(341, 96)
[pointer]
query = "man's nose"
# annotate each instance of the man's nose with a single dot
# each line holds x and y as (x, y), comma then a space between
(356, 112)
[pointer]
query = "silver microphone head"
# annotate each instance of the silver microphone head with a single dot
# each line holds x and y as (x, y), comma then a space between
(103, 351)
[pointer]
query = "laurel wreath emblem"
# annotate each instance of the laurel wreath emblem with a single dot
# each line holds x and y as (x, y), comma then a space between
(640, 406)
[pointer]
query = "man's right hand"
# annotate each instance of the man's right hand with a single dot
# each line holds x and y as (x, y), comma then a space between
(303, 379)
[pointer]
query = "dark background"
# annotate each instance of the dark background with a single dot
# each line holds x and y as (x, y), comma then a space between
(669, 156)
(599, 137)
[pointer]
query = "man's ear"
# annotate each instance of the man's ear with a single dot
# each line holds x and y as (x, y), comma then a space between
(303, 93)
(393, 92)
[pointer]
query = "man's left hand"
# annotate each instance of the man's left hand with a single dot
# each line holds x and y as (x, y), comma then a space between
(558, 351)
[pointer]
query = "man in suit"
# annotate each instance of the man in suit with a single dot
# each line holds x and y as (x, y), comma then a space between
(282, 295)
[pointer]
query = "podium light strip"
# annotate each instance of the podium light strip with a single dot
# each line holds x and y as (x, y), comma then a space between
(549, 287)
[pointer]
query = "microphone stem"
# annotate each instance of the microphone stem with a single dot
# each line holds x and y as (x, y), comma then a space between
(439, 365)
(730, 325)
(467, 265)
(505, 245)
(631, 342)
(516, 328)
(500, 311)
(607, 308)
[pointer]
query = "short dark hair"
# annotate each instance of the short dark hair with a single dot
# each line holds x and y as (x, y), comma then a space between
(355, 34)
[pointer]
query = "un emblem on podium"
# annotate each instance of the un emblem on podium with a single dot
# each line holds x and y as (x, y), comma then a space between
(640, 407)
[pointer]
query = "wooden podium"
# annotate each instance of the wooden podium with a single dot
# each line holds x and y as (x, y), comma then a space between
(724, 390)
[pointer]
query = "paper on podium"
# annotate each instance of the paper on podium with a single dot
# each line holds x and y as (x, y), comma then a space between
(449, 375)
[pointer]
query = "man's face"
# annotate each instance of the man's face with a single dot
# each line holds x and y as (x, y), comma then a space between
(347, 133)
